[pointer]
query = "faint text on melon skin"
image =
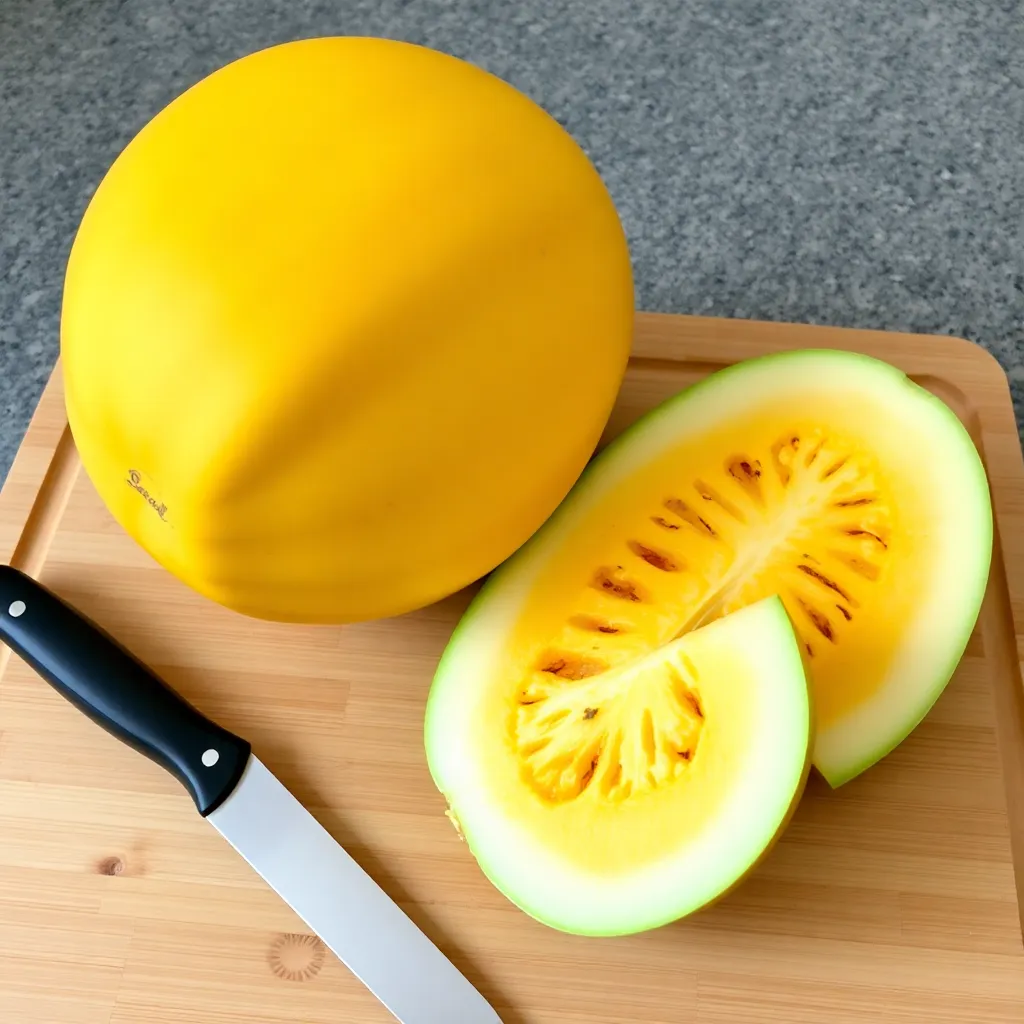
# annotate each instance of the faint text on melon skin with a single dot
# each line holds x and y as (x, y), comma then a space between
(134, 480)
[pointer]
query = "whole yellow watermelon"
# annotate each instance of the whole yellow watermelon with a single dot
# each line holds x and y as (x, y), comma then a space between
(341, 327)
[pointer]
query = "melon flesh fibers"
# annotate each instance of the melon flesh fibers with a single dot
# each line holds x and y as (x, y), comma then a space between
(824, 478)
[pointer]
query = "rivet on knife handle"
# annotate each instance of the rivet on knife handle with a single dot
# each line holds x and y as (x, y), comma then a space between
(105, 681)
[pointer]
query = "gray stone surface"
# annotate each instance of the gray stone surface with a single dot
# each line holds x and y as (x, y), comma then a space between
(854, 163)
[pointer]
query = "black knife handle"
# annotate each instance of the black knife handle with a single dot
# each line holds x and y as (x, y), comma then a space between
(93, 671)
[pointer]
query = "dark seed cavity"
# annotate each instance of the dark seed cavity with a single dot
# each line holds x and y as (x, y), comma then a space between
(747, 473)
(813, 453)
(835, 467)
(818, 619)
(679, 507)
(744, 469)
(708, 493)
(694, 702)
(572, 666)
(867, 533)
(611, 583)
(659, 559)
(824, 580)
(588, 775)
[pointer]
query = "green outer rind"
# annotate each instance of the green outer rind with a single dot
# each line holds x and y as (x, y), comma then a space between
(766, 793)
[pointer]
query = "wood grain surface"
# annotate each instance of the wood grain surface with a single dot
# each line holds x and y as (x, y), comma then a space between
(893, 899)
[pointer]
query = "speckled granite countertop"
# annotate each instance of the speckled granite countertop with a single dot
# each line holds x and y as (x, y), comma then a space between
(857, 164)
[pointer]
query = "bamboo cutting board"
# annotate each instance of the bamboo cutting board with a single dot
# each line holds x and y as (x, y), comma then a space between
(891, 900)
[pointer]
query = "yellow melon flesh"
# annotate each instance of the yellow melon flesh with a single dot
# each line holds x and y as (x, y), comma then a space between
(769, 503)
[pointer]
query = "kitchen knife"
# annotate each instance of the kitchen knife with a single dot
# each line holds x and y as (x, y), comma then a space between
(245, 803)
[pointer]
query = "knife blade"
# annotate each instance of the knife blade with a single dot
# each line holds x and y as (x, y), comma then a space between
(240, 797)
